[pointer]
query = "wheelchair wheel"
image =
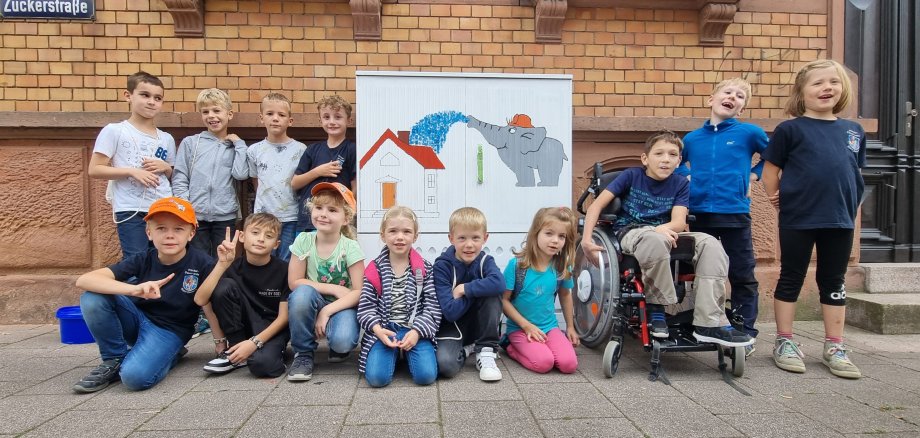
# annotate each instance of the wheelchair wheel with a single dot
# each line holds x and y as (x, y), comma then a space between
(597, 290)
(738, 359)
(612, 358)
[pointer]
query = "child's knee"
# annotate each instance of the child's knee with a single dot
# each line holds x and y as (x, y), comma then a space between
(302, 299)
(377, 379)
(91, 302)
(137, 378)
(568, 365)
(834, 297)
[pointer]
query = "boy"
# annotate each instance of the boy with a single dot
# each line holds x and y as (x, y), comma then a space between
(137, 159)
(250, 300)
(333, 160)
(654, 214)
(469, 287)
(206, 166)
(720, 154)
(141, 328)
(271, 165)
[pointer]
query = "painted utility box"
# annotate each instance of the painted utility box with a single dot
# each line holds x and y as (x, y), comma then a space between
(436, 142)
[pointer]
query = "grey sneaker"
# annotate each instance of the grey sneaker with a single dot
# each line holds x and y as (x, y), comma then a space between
(837, 360)
(302, 368)
(100, 377)
(788, 356)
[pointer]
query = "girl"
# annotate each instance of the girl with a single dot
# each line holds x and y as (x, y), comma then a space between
(541, 270)
(817, 195)
(398, 309)
(325, 273)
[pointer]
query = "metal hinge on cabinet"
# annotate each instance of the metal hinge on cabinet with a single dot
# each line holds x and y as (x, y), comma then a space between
(911, 113)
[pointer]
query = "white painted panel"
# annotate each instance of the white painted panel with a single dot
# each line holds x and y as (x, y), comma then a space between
(399, 101)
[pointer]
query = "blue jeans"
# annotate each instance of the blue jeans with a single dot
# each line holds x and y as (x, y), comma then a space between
(304, 304)
(381, 361)
(118, 324)
(288, 233)
(132, 232)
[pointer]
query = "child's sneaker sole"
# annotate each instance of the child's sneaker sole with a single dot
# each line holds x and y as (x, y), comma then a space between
(842, 373)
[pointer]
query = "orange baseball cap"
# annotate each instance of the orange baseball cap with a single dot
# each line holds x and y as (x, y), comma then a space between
(176, 206)
(347, 195)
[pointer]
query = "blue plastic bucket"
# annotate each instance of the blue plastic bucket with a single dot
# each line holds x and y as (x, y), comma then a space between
(73, 328)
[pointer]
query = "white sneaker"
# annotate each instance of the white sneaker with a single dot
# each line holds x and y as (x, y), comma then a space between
(485, 363)
(222, 365)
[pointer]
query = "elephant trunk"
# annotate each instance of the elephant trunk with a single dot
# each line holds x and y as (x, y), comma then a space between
(492, 133)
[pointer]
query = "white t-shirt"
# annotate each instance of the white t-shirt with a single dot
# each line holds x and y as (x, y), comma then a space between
(127, 146)
(274, 165)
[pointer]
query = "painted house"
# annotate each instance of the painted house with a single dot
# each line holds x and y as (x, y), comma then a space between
(402, 174)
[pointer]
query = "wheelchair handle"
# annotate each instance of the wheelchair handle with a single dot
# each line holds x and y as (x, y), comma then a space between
(593, 188)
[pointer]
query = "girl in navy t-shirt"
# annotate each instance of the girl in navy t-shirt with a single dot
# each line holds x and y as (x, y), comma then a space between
(817, 195)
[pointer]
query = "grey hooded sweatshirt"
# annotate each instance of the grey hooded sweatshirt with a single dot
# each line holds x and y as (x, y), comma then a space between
(204, 173)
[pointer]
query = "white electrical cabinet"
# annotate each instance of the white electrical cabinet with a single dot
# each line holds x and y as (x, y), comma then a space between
(436, 142)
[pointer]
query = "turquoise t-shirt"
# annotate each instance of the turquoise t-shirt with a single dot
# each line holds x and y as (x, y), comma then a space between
(537, 300)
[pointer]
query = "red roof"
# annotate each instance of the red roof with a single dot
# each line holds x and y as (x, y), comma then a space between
(424, 155)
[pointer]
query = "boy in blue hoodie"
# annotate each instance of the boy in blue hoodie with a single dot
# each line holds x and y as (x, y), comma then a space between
(719, 156)
(469, 287)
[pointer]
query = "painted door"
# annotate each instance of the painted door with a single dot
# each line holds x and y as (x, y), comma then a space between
(389, 194)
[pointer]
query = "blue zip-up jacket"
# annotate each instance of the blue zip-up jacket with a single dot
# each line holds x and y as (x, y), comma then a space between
(488, 282)
(720, 165)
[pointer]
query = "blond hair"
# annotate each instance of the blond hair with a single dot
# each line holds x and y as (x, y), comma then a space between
(397, 211)
(264, 220)
(795, 106)
(566, 257)
(214, 96)
(467, 217)
(332, 197)
(738, 82)
(275, 97)
(335, 103)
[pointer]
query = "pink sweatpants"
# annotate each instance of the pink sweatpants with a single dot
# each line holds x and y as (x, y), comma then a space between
(542, 356)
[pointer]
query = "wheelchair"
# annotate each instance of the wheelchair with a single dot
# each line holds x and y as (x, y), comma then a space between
(610, 303)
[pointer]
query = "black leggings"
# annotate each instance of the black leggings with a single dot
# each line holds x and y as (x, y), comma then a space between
(833, 246)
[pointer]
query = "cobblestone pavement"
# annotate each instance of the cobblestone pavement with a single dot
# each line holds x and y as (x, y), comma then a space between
(37, 371)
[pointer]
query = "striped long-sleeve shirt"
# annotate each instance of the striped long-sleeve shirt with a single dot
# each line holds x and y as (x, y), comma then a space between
(374, 309)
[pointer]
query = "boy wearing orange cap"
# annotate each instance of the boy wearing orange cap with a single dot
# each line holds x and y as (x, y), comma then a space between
(141, 328)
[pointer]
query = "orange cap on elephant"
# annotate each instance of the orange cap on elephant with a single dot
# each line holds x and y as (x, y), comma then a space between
(521, 121)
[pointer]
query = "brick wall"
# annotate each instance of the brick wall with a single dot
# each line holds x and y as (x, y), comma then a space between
(625, 62)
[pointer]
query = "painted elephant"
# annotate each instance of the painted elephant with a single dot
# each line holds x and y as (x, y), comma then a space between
(523, 148)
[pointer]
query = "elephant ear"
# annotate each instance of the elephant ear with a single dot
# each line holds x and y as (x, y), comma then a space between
(533, 140)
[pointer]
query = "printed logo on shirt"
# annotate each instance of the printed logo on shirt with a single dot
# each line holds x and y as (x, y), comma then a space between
(730, 143)
(853, 140)
(190, 282)
(270, 293)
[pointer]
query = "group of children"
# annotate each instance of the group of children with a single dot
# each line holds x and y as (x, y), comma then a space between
(303, 276)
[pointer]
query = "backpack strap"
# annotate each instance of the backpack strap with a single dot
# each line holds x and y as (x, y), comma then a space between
(372, 274)
(417, 264)
(519, 274)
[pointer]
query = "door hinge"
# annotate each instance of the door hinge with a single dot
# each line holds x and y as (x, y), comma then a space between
(911, 113)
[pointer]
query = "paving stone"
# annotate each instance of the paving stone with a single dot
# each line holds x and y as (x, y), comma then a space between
(21, 413)
(155, 399)
(320, 390)
(239, 380)
(520, 374)
(628, 384)
(719, 397)
(874, 393)
(59, 384)
(845, 415)
(294, 421)
(189, 433)
(778, 425)
(892, 375)
(572, 400)
(10, 334)
(466, 386)
(388, 430)
(487, 418)
(39, 369)
(674, 416)
(205, 410)
(50, 339)
(118, 423)
(774, 381)
(589, 427)
(10, 388)
(394, 405)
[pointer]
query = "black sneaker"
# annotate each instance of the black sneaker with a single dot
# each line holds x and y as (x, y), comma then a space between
(335, 357)
(726, 336)
(100, 377)
(222, 365)
(659, 328)
(302, 368)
